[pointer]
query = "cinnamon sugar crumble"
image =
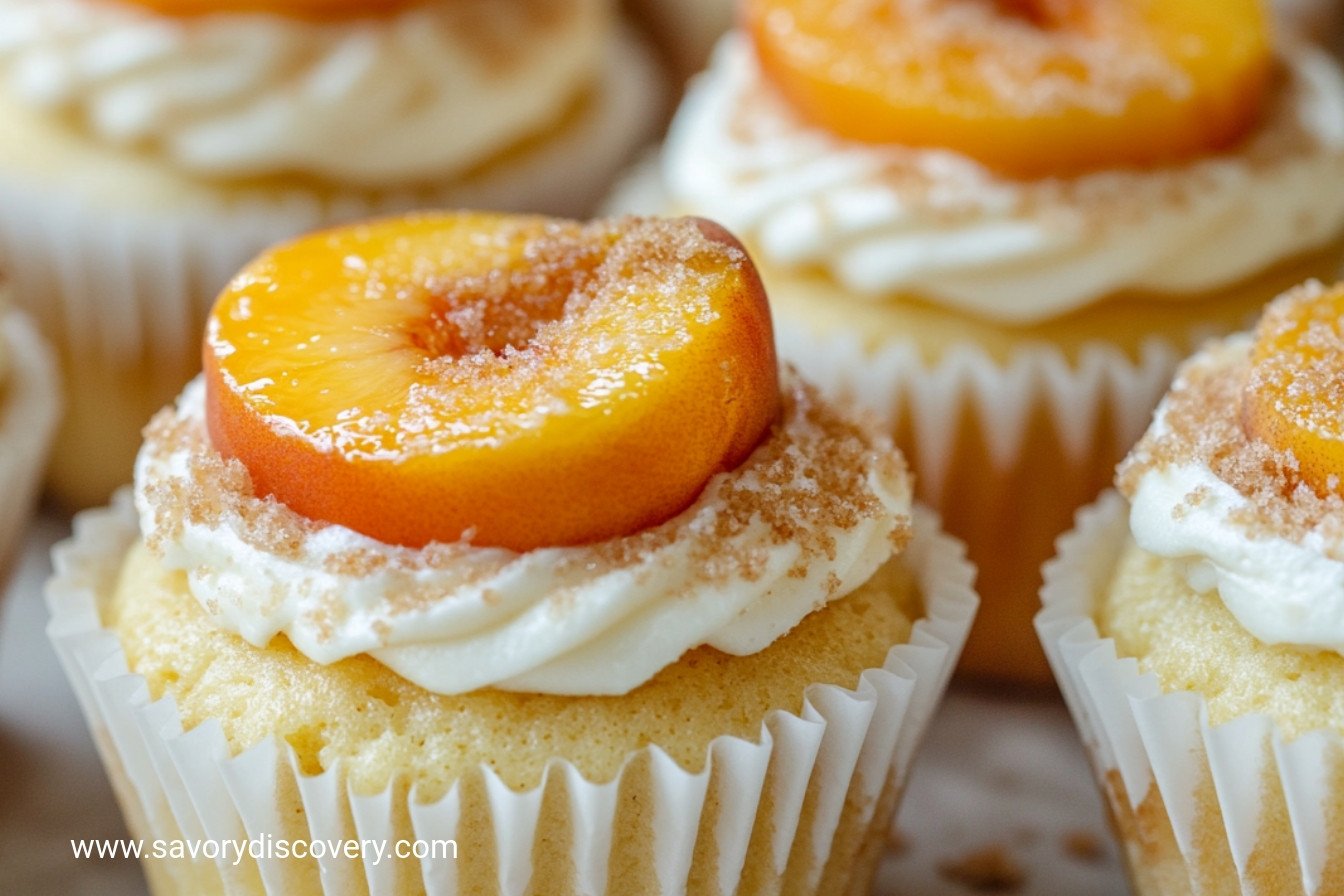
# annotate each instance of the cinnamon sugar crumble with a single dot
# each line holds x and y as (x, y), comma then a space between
(1032, 65)
(506, 328)
(1202, 420)
(814, 476)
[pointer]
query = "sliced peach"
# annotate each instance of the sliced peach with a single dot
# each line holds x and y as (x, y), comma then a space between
(1294, 397)
(1028, 87)
(519, 381)
(303, 9)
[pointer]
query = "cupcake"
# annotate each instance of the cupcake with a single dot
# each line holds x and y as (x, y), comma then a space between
(151, 148)
(29, 404)
(998, 227)
(507, 533)
(1194, 619)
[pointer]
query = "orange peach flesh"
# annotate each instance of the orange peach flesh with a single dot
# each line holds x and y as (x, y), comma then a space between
(1024, 91)
(1294, 398)
(519, 381)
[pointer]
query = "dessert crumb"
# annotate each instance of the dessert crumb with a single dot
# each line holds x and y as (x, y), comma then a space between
(988, 870)
(1084, 846)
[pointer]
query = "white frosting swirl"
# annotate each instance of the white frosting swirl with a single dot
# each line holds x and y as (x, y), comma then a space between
(1283, 590)
(424, 94)
(596, 619)
(885, 220)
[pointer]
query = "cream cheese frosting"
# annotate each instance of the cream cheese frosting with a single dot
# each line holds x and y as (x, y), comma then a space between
(888, 221)
(809, 517)
(426, 93)
(1283, 580)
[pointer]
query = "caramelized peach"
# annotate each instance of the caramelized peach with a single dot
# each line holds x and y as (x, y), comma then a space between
(518, 381)
(1028, 87)
(304, 9)
(1294, 397)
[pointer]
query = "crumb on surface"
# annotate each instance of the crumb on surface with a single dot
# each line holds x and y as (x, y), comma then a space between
(988, 870)
(1083, 846)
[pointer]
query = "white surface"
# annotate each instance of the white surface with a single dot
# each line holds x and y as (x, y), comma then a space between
(993, 773)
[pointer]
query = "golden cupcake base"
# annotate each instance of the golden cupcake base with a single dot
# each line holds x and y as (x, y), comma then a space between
(1216, 780)
(765, 778)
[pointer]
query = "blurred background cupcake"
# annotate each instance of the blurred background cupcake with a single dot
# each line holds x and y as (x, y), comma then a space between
(718, 694)
(149, 149)
(30, 401)
(998, 227)
(1196, 620)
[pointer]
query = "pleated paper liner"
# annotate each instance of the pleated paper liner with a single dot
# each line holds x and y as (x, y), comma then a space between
(1232, 808)
(1026, 440)
(802, 809)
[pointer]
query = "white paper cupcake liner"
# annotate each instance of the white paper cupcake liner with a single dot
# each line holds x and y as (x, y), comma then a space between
(30, 403)
(1004, 396)
(124, 284)
(845, 748)
(1162, 743)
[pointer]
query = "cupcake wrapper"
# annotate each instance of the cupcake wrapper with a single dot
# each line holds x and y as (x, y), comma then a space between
(846, 747)
(1003, 396)
(122, 285)
(30, 402)
(1222, 785)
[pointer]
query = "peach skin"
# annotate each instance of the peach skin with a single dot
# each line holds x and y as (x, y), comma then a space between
(517, 381)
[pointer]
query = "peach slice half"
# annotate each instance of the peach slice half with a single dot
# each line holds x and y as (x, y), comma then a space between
(518, 381)
(1294, 397)
(1030, 88)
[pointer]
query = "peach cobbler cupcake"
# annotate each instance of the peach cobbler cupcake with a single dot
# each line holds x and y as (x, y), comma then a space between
(151, 147)
(509, 531)
(1196, 620)
(998, 226)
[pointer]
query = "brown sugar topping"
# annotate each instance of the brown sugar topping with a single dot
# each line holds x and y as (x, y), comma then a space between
(815, 476)
(1203, 425)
